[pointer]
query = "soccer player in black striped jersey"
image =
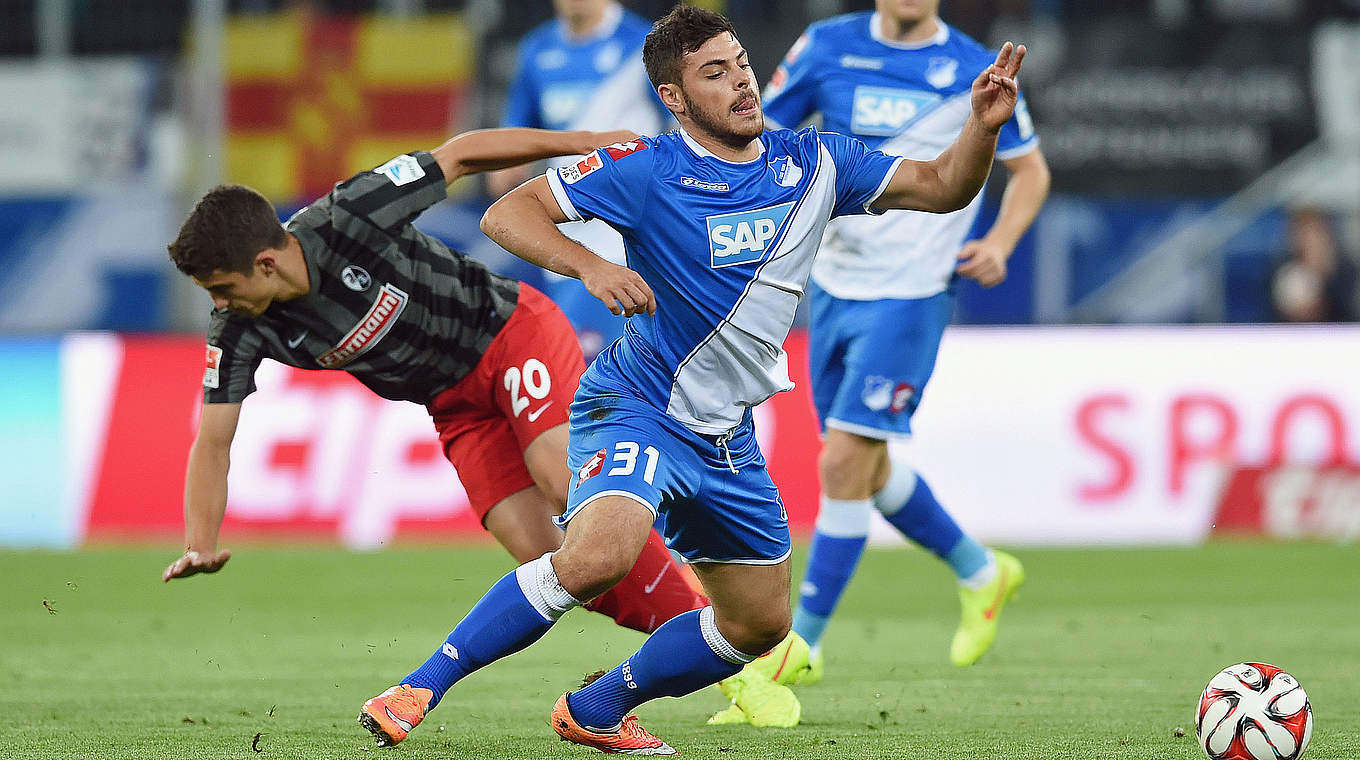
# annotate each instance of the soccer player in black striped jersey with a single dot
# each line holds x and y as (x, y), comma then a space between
(348, 283)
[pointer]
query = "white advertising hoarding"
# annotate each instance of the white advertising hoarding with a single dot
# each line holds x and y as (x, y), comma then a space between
(1112, 435)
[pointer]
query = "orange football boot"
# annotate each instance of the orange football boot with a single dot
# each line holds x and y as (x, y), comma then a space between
(392, 714)
(628, 739)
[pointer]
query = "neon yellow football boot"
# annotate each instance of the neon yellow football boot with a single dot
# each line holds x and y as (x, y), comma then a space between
(789, 663)
(758, 701)
(982, 610)
(753, 701)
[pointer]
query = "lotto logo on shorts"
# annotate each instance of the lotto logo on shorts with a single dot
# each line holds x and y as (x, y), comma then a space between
(591, 468)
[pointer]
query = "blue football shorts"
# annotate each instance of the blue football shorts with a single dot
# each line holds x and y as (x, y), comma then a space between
(870, 360)
(716, 503)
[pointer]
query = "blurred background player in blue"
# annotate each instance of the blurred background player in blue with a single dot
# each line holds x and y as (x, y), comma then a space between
(882, 293)
(583, 67)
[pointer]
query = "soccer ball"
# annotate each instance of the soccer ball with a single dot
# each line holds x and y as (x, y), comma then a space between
(1254, 711)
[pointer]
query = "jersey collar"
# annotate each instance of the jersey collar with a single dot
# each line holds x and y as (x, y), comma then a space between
(940, 37)
(609, 23)
(706, 153)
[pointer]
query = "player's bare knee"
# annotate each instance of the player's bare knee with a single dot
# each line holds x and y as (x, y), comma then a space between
(759, 630)
(586, 574)
(840, 471)
(847, 465)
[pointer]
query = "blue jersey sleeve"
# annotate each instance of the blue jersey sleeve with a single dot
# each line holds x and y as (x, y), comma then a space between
(791, 95)
(521, 102)
(1017, 135)
(610, 184)
(861, 174)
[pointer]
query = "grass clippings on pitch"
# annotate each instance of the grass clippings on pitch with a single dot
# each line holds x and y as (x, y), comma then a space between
(1102, 656)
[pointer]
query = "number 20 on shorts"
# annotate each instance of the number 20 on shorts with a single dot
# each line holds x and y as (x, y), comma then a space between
(535, 381)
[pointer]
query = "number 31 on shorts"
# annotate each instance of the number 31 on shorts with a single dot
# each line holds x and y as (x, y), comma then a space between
(624, 460)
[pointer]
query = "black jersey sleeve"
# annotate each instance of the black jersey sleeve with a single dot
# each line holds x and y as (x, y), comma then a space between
(388, 197)
(235, 350)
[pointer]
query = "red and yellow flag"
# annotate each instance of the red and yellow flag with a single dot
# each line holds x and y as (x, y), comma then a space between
(313, 99)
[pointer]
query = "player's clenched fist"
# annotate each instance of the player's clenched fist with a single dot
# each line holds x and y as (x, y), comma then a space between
(193, 563)
(983, 261)
(620, 288)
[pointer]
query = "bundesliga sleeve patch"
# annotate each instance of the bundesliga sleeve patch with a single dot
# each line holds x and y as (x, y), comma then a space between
(401, 170)
(572, 174)
(214, 361)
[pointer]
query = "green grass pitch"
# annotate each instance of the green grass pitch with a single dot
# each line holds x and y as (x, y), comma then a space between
(1102, 655)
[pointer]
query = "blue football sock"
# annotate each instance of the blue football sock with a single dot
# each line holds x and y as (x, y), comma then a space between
(837, 543)
(912, 508)
(515, 613)
(968, 558)
(684, 655)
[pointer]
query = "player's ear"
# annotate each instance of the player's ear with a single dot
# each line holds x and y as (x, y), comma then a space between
(671, 98)
(265, 262)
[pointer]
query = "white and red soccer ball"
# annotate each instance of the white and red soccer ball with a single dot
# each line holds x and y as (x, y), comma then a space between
(1254, 711)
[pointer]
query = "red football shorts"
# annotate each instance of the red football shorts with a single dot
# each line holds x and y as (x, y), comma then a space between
(522, 386)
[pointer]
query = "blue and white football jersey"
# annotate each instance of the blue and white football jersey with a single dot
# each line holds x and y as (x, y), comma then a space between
(908, 100)
(562, 81)
(726, 248)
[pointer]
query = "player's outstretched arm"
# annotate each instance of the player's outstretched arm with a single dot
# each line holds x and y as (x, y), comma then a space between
(205, 492)
(524, 222)
(487, 149)
(953, 179)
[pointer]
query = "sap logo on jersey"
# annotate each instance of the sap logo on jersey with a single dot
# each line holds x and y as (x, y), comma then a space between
(742, 237)
(885, 111)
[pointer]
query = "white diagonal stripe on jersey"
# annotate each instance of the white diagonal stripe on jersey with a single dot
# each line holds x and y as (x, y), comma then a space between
(752, 334)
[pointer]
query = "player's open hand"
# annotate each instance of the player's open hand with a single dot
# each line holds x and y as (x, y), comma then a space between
(983, 261)
(620, 288)
(193, 563)
(996, 90)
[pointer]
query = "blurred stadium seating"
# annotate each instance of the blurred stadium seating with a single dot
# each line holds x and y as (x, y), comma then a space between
(1183, 135)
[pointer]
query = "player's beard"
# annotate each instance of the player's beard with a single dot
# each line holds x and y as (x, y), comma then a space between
(724, 125)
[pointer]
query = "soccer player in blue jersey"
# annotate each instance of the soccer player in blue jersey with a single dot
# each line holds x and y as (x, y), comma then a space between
(582, 68)
(721, 221)
(898, 79)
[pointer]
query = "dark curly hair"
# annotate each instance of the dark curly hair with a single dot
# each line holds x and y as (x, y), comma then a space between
(682, 31)
(227, 228)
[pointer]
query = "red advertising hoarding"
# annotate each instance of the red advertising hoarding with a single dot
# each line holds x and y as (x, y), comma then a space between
(319, 456)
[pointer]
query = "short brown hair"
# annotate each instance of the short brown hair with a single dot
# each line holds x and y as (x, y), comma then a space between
(681, 32)
(227, 228)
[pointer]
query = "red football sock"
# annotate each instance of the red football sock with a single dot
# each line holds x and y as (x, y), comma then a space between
(654, 591)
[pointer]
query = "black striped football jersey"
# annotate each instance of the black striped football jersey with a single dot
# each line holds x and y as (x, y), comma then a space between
(389, 304)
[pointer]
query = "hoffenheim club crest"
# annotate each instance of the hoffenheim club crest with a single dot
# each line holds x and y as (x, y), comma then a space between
(941, 72)
(786, 172)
